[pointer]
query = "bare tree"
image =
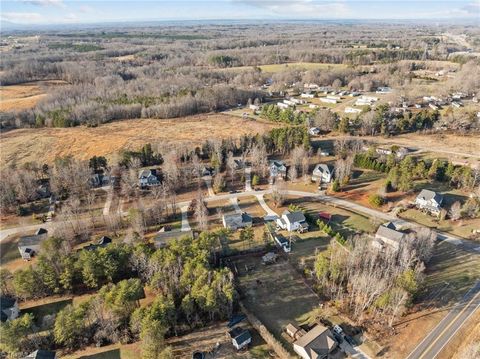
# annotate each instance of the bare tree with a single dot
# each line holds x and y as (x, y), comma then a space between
(201, 212)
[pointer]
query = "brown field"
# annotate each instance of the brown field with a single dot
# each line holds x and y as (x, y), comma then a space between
(45, 144)
(24, 96)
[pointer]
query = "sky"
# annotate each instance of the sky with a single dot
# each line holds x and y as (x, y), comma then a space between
(67, 12)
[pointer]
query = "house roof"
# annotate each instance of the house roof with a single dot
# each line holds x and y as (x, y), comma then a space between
(317, 342)
(242, 337)
(34, 240)
(6, 302)
(294, 216)
(237, 217)
(41, 231)
(162, 238)
(323, 168)
(428, 195)
(276, 163)
(41, 354)
(292, 328)
(147, 173)
(390, 234)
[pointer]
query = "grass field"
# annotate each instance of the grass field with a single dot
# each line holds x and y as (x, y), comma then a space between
(276, 294)
(272, 68)
(24, 96)
(43, 145)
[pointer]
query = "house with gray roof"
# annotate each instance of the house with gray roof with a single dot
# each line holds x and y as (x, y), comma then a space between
(429, 201)
(388, 235)
(29, 246)
(278, 169)
(315, 344)
(293, 221)
(240, 337)
(237, 220)
(323, 173)
(148, 178)
(8, 308)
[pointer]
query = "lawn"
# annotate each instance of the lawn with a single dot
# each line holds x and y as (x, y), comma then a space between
(276, 294)
(48, 309)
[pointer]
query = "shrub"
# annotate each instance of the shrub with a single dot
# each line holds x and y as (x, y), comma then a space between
(335, 186)
(255, 180)
(376, 200)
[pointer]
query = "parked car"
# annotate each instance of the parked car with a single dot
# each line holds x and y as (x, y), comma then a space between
(337, 329)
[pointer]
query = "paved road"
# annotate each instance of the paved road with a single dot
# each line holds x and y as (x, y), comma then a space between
(438, 338)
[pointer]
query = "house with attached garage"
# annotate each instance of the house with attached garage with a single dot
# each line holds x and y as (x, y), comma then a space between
(148, 178)
(293, 221)
(317, 343)
(278, 169)
(388, 235)
(8, 308)
(237, 220)
(429, 201)
(323, 173)
(29, 246)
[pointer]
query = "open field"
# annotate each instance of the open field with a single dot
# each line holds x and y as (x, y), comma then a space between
(289, 66)
(43, 145)
(24, 96)
(276, 294)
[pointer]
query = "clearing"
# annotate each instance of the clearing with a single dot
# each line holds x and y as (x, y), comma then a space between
(287, 66)
(25, 96)
(43, 145)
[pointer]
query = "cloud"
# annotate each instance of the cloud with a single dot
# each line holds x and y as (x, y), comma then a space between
(302, 8)
(472, 8)
(58, 3)
(21, 17)
(85, 8)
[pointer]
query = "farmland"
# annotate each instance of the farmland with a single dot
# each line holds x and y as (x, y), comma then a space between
(45, 144)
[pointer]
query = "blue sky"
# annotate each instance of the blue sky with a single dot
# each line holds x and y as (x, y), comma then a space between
(64, 11)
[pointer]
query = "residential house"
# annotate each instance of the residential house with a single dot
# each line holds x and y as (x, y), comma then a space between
(208, 171)
(383, 90)
(269, 258)
(8, 308)
(41, 354)
(254, 107)
(29, 246)
(388, 234)
(433, 106)
(278, 169)
(307, 95)
(294, 331)
(238, 164)
(102, 242)
(282, 242)
(293, 221)
(314, 131)
(148, 178)
(352, 110)
(164, 236)
(327, 100)
(282, 105)
(240, 337)
(429, 201)
(312, 106)
(99, 180)
(316, 344)
(323, 173)
(237, 220)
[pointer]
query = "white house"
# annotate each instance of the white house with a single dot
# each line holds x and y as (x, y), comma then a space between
(282, 242)
(8, 308)
(429, 201)
(293, 221)
(29, 246)
(316, 344)
(337, 98)
(147, 178)
(277, 169)
(289, 102)
(282, 105)
(312, 106)
(322, 173)
(352, 110)
(307, 95)
(383, 90)
(314, 131)
(327, 100)
(254, 107)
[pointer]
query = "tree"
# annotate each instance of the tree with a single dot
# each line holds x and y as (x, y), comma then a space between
(247, 235)
(26, 283)
(456, 211)
(278, 193)
(70, 325)
(219, 182)
(201, 212)
(231, 165)
(97, 163)
(335, 187)
(14, 333)
(152, 336)
(5, 282)
(255, 180)
(375, 200)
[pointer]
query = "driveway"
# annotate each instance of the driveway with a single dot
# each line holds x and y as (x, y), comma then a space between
(185, 225)
(208, 182)
(248, 179)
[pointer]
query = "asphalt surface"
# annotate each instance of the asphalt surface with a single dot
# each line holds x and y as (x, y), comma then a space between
(438, 338)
